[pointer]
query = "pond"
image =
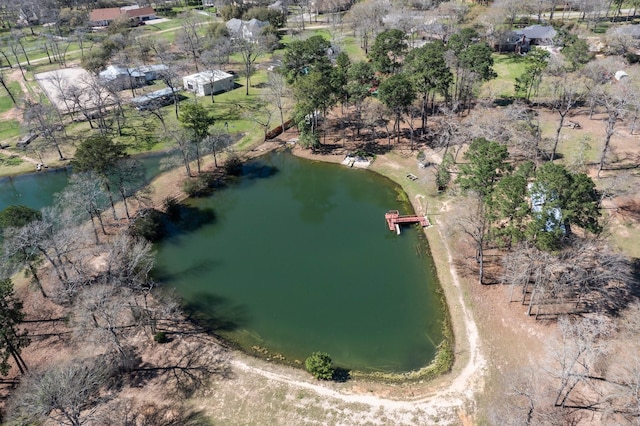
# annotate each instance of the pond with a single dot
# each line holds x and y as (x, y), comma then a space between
(37, 190)
(297, 258)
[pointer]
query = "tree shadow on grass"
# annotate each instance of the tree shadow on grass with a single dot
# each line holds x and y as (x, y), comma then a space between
(634, 283)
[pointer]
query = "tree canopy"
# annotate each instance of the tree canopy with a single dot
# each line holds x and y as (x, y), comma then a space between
(319, 365)
(18, 216)
(197, 120)
(303, 56)
(486, 164)
(99, 154)
(387, 50)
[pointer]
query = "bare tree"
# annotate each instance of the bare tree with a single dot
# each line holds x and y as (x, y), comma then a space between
(19, 253)
(67, 393)
(61, 85)
(616, 100)
(188, 38)
(475, 226)
(127, 176)
(4, 82)
(568, 92)
(183, 147)
(576, 357)
(218, 140)
(250, 50)
(128, 263)
(586, 276)
(102, 315)
(85, 196)
(213, 59)
(171, 76)
(277, 94)
(366, 20)
(44, 120)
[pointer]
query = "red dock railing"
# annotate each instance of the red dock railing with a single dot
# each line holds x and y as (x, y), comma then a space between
(394, 218)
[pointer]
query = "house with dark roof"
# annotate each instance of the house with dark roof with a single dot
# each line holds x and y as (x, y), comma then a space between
(521, 40)
(103, 17)
(540, 35)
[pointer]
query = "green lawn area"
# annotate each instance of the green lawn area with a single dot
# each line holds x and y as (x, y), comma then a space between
(508, 67)
(243, 115)
(351, 46)
(5, 100)
(173, 23)
(575, 146)
(9, 129)
(11, 165)
(10, 160)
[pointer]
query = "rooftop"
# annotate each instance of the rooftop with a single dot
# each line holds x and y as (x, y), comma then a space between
(208, 76)
(152, 96)
(113, 13)
(106, 14)
(538, 32)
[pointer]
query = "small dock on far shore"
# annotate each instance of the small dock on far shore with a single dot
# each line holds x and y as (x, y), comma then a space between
(394, 219)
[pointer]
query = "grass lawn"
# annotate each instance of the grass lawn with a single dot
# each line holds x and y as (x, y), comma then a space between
(9, 129)
(508, 67)
(10, 160)
(173, 23)
(5, 100)
(352, 48)
(11, 165)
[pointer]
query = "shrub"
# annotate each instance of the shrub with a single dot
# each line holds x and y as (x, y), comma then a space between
(172, 208)
(233, 165)
(18, 216)
(199, 185)
(160, 337)
(632, 58)
(148, 224)
(319, 365)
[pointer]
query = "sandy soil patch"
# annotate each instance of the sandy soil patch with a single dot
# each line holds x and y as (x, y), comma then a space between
(59, 83)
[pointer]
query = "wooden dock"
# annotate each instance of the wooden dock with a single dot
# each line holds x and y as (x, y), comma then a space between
(394, 219)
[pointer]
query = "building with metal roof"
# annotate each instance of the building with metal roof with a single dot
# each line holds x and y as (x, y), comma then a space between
(208, 82)
(153, 100)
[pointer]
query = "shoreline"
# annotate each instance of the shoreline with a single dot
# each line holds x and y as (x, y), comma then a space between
(466, 376)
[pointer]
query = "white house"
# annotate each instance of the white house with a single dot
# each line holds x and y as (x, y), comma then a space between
(208, 82)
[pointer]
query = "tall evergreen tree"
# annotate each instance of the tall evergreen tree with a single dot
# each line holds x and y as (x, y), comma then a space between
(99, 154)
(197, 120)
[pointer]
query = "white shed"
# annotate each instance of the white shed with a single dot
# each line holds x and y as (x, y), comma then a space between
(207, 82)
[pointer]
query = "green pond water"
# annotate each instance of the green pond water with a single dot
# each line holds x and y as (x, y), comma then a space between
(298, 258)
(37, 190)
